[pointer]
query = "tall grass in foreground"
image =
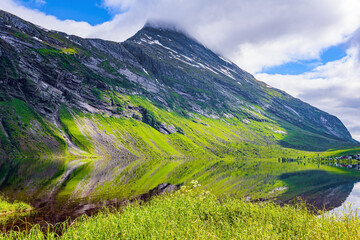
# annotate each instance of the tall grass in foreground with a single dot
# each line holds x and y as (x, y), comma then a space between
(192, 214)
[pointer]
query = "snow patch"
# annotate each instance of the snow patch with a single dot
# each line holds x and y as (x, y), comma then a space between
(323, 120)
(37, 39)
(208, 68)
(194, 65)
(178, 57)
(226, 72)
(225, 60)
(292, 110)
(68, 38)
(148, 36)
(280, 131)
(146, 71)
(158, 43)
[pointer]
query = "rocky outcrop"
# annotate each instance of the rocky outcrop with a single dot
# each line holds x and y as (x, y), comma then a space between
(159, 190)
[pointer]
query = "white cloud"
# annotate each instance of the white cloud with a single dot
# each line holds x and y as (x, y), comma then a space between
(257, 33)
(40, 2)
(122, 4)
(333, 87)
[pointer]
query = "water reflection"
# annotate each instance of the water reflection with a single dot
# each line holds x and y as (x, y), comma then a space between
(345, 165)
(351, 204)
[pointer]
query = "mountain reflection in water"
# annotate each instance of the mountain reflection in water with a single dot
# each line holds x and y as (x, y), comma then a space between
(351, 204)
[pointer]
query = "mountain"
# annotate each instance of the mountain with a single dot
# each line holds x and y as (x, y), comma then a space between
(161, 94)
(210, 85)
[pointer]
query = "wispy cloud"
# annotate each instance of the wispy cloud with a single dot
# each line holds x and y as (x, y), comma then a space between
(333, 87)
(119, 4)
(40, 2)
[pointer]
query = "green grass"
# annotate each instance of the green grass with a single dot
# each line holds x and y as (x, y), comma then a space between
(22, 36)
(12, 210)
(193, 214)
(343, 152)
(69, 50)
(9, 208)
(198, 136)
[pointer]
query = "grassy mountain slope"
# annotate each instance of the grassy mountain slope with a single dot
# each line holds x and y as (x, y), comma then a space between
(88, 116)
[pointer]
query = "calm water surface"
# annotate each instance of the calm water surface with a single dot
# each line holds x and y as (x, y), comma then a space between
(351, 204)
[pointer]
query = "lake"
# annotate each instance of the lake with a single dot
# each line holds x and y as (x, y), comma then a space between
(79, 186)
(351, 204)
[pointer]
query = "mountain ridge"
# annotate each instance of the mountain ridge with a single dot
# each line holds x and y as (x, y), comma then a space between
(223, 84)
(159, 96)
(241, 75)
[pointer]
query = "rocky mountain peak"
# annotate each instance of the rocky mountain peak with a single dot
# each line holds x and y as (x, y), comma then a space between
(161, 63)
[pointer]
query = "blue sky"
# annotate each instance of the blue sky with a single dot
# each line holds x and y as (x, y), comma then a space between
(91, 11)
(299, 67)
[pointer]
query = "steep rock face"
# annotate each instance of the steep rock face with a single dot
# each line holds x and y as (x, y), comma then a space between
(48, 70)
(208, 83)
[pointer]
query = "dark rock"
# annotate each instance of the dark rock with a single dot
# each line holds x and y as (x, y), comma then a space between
(160, 189)
(167, 129)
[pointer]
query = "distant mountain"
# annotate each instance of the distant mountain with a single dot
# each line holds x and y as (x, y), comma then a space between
(161, 93)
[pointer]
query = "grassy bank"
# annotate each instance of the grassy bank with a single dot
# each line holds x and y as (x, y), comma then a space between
(8, 208)
(11, 210)
(192, 214)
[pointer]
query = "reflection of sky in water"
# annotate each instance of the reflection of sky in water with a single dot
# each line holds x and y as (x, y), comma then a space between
(351, 204)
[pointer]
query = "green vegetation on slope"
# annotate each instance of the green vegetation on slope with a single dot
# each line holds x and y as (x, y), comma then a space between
(196, 136)
(24, 133)
(192, 214)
